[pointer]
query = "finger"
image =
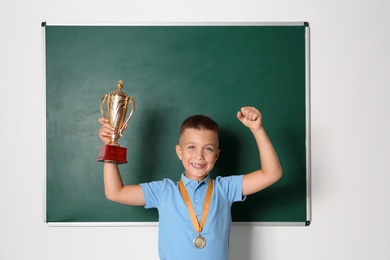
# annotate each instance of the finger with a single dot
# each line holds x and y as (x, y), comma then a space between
(253, 116)
(239, 115)
(251, 113)
(106, 130)
(103, 120)
(104, 134)
(105, 124)
(247, 112)
(244, 113)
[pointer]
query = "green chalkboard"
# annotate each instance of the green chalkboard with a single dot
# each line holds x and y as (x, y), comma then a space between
(174, 71)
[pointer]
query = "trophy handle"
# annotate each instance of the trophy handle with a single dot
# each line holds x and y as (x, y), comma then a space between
(132, 101)
(102, 105)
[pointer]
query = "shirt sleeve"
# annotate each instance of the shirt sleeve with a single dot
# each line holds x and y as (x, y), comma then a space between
(153, 191)
(232, 185)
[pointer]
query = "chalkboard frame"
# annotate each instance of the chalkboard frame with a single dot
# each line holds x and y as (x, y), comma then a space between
(307, 117)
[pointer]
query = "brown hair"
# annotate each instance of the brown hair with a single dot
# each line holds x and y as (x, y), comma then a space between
(199, 122)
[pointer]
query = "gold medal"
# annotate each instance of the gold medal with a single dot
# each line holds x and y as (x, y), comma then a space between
(199, 242)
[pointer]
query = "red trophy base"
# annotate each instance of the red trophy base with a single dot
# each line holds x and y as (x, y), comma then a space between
(111, 153)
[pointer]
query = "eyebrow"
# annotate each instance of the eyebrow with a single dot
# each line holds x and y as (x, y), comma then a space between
(194, 143)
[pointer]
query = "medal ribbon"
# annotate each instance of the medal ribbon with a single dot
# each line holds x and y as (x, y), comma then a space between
(198, 226)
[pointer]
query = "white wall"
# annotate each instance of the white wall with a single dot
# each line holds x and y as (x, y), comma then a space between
(350, 130)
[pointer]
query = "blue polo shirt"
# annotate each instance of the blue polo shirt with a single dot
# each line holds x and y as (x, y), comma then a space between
(176, 232)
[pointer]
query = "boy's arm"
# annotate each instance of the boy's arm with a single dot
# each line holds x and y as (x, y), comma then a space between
(271, 170)
(113, 185)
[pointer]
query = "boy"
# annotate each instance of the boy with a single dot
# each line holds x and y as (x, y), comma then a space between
(194, 213)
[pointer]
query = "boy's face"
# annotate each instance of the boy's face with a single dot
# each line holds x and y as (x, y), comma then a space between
(198, 150)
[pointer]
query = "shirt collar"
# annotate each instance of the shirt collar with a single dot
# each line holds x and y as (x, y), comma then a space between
(187, 181)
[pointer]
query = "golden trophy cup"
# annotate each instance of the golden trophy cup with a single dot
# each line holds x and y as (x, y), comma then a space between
(117, 105)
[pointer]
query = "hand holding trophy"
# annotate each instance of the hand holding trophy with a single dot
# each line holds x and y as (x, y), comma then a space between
(117, 105)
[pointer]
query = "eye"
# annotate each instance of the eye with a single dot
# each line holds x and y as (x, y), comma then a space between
(191, 147)
(209, 149)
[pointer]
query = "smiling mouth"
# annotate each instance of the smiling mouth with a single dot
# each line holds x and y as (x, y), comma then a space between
(198, 166)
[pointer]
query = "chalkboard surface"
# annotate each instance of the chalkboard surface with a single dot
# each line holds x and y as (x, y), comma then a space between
(174, 71)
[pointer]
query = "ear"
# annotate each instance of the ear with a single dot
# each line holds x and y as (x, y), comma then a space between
(178, 152)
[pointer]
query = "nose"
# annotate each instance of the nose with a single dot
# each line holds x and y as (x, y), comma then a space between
(199, 155)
